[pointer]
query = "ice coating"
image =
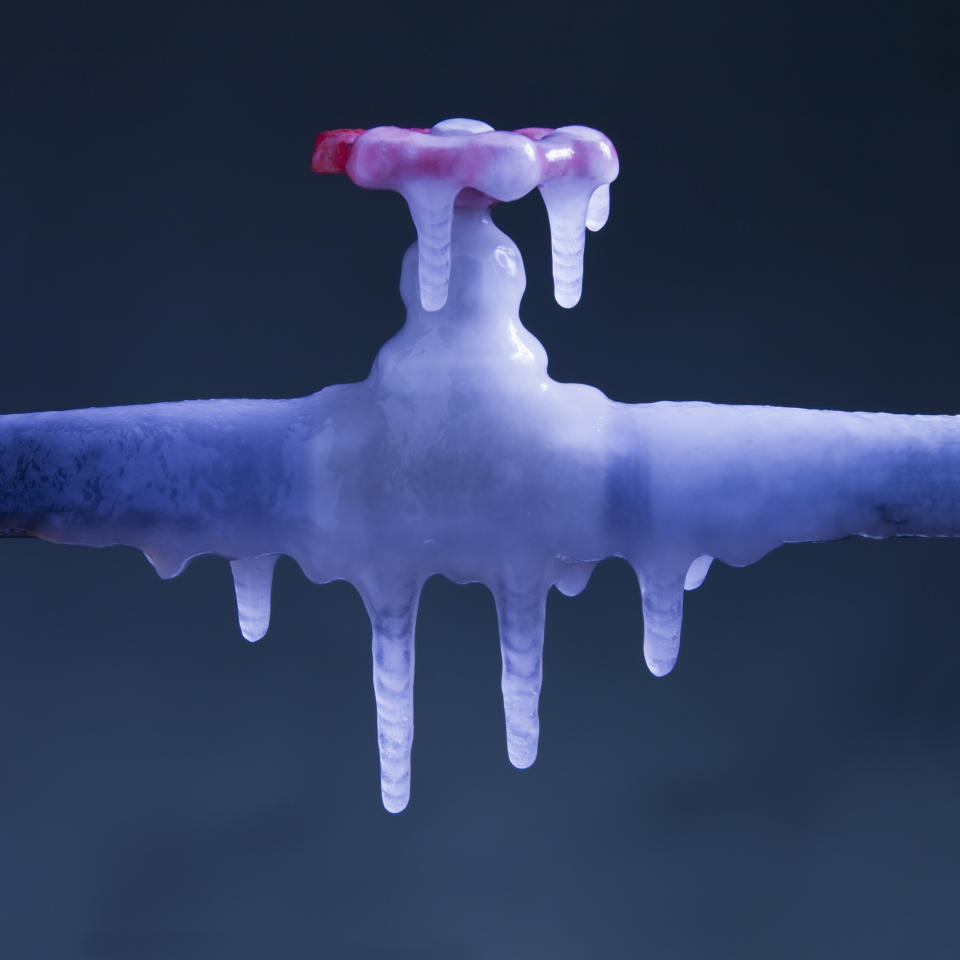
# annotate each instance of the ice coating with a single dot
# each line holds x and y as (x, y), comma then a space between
(573, 167)
(459, 455)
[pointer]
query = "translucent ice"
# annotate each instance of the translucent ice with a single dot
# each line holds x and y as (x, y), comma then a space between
(459, 455)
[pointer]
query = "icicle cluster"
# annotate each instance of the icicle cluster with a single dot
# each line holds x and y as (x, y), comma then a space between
(459, 455)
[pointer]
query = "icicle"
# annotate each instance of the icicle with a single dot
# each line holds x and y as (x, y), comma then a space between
(167, 564)
(521, 617)
(566, 201)
(697, 572)
(393, 622)
(580, 164)
(598, 209)
(662, 616)
(253, 581)
(431, 207)
(457, 126)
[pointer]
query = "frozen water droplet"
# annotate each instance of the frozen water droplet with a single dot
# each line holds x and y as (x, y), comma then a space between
(598, 209)
(253, 581)
(521, 617)
(697, 572)
(662, 618)
(393, 624)
(431, 207)
(566, 202)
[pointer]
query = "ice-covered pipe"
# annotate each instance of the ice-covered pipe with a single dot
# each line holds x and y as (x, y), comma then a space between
(459, 455)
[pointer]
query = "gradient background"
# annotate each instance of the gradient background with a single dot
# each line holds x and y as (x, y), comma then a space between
(784, 231)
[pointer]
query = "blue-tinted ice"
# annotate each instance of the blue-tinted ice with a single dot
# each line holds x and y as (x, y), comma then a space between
(459, 455)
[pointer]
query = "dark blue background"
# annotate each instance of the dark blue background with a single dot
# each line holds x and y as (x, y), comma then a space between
(785, 231)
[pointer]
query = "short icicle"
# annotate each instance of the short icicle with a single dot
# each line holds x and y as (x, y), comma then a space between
(662, 618)
(697, 572)
(393, 620)
(253, 582)
(598, 209)
(521, 615)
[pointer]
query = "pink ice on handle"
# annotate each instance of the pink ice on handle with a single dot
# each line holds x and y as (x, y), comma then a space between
(463, 162)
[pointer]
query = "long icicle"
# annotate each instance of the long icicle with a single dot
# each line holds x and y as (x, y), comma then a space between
(253, 582)
(521, 615)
